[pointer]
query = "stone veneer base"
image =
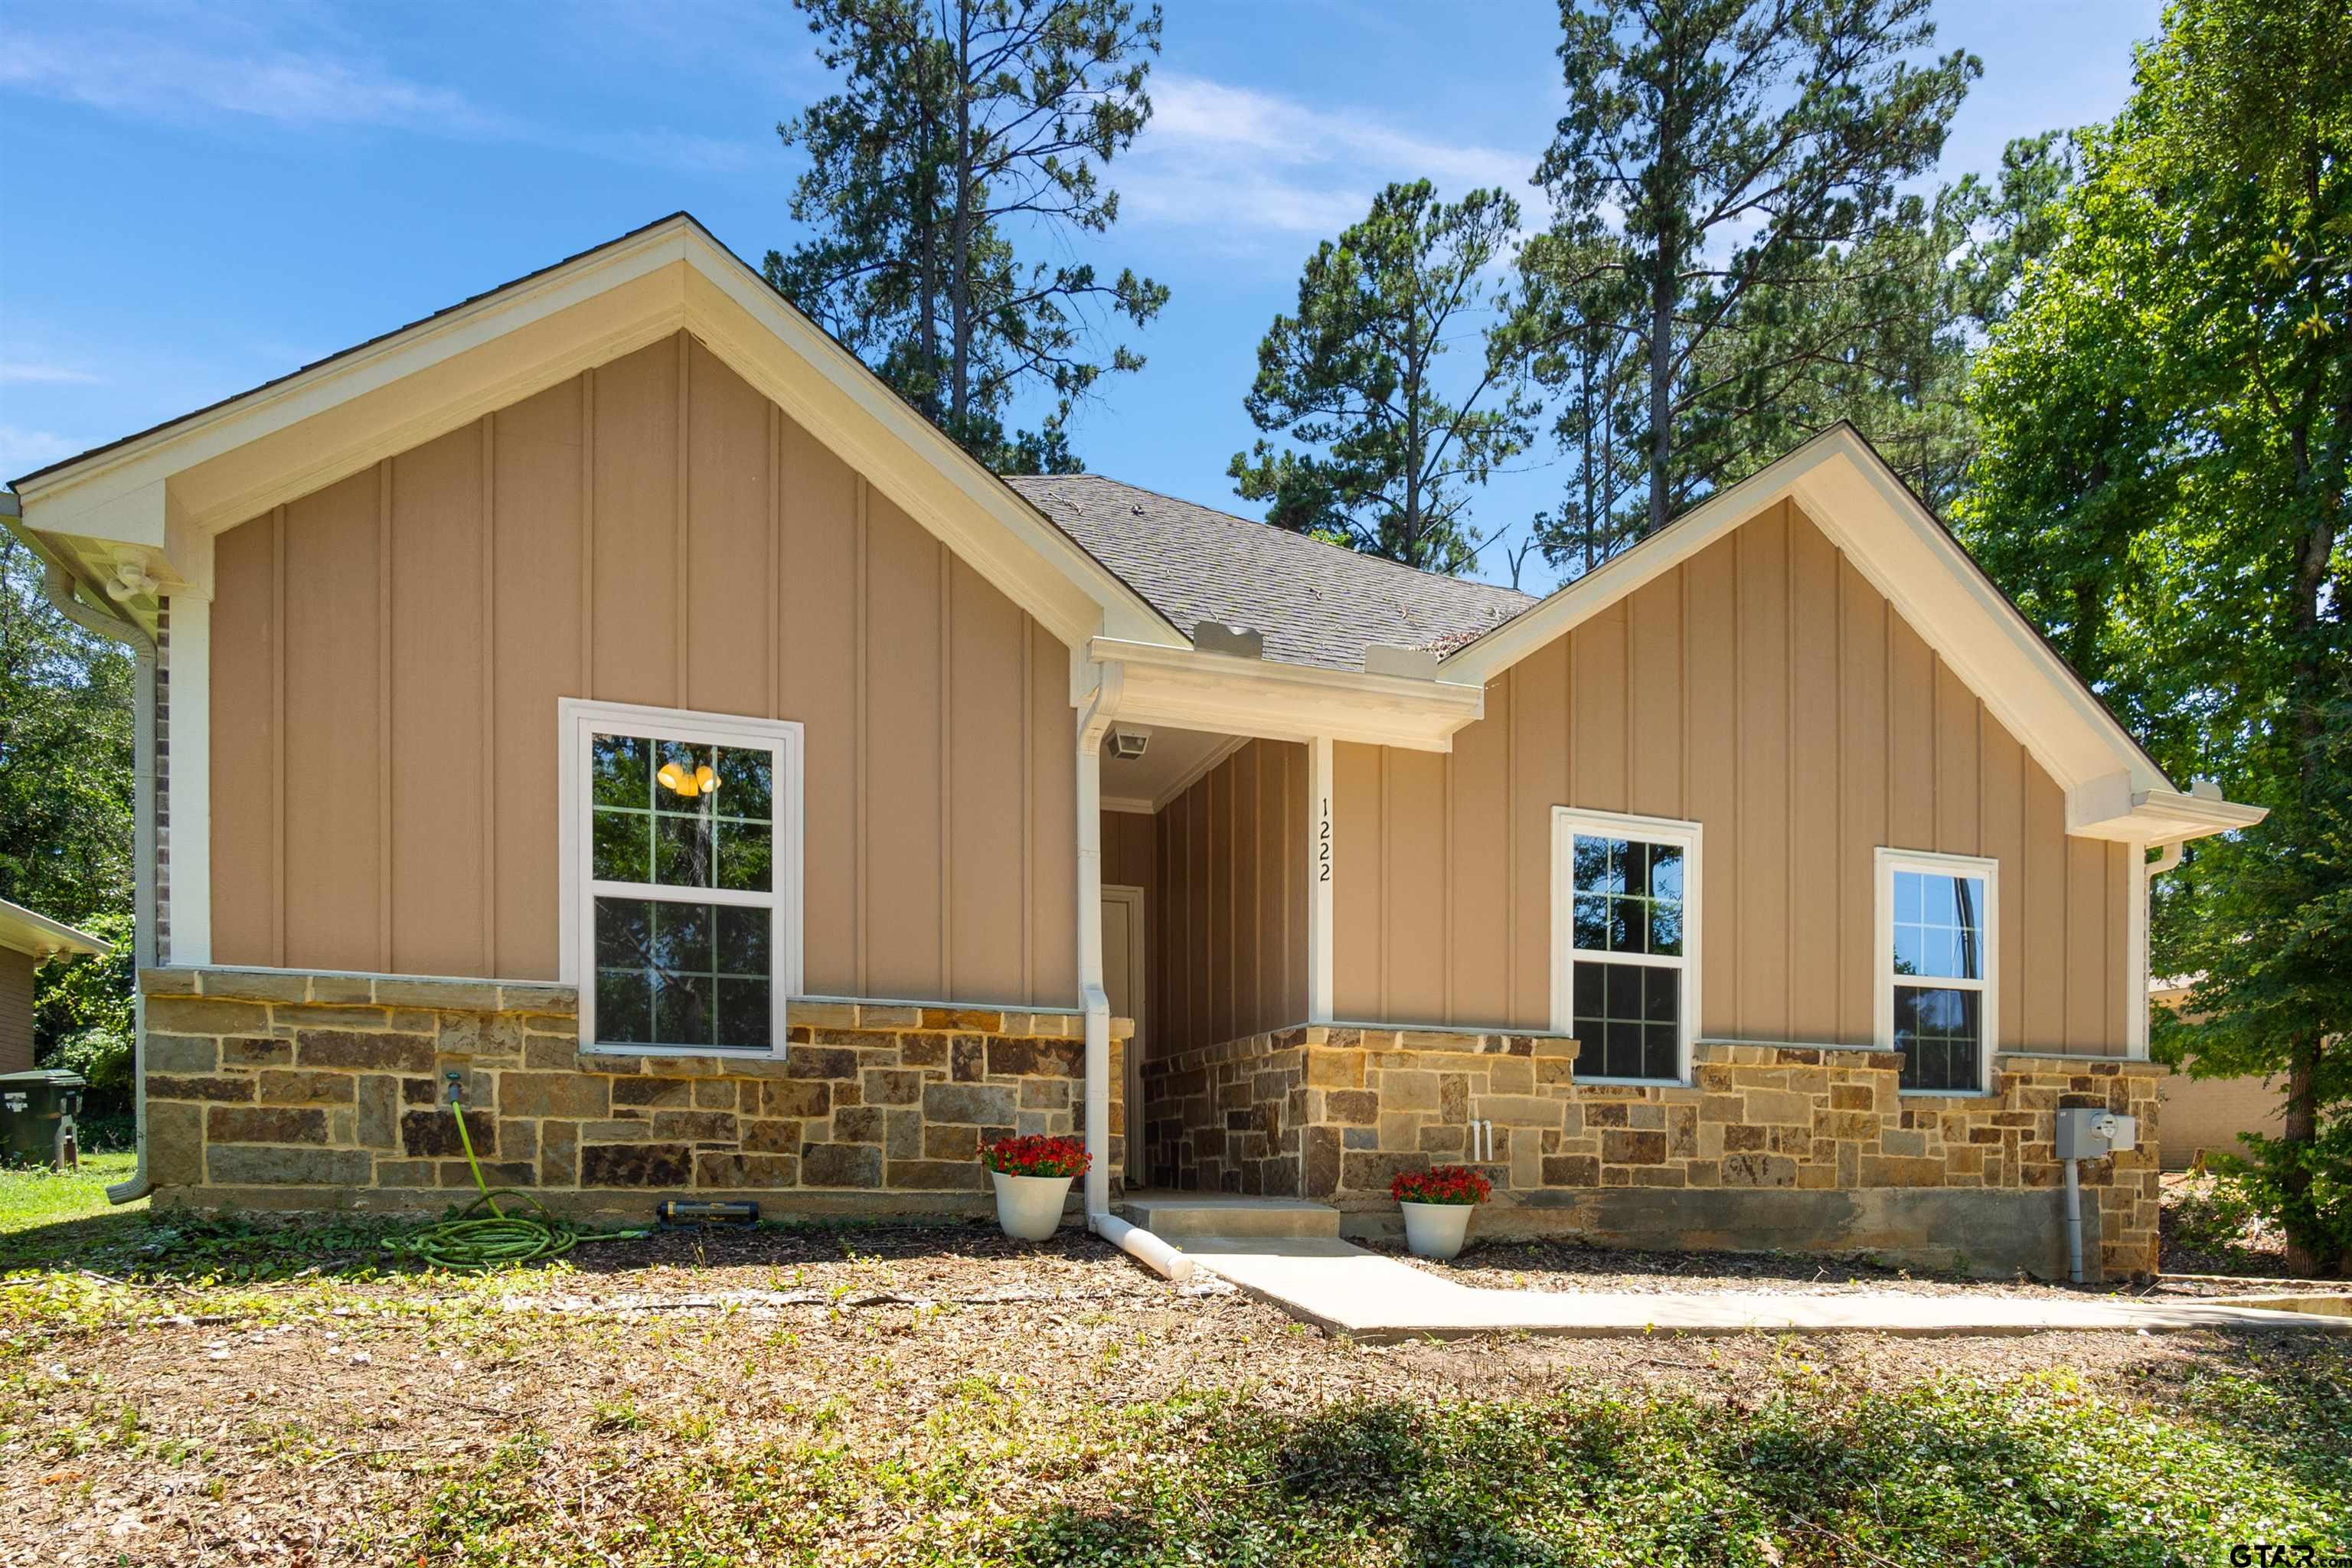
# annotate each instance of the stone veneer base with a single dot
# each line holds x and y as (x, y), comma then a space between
(1799, 1147)
(274, 1089)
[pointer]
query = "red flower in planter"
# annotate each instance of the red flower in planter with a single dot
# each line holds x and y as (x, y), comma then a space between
(1037, 1156)
(1441, 1184)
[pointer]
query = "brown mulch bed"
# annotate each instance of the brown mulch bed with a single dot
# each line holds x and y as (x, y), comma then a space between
(2253, 1249)
(315, 1433)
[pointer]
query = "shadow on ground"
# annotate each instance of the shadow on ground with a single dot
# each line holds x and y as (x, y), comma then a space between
(1950, 1472)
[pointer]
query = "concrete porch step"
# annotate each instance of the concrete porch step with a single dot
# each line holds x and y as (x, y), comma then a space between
(1179, 1216)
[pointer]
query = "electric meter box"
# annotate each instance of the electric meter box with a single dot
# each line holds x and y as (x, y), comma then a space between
(2087, 1133)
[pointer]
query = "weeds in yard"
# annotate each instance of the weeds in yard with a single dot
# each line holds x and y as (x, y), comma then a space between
(1955, 1471)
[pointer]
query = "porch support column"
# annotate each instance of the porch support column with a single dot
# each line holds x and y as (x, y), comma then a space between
(1094, 718)
(1318, 880)
(188, 664)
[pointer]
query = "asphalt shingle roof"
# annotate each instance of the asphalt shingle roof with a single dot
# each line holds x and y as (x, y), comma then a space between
(1313, 603)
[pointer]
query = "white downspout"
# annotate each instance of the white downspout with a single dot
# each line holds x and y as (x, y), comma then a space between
(2136, 943)
(58, 585)
(2134, 1042)
(1132, 1239)
(2074, 1221)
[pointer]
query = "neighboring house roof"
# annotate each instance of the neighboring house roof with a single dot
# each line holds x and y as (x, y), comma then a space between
(25, 931)
(1314, 603)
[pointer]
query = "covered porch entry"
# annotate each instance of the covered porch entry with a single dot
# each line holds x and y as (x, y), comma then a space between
(1210, 854)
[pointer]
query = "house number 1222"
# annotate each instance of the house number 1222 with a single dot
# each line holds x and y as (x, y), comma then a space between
(1323, 845)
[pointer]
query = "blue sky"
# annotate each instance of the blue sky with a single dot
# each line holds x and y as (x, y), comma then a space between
(200, 197)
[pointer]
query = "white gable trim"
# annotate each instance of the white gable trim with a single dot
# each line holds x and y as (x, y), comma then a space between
(2112, 788)
(199, 476)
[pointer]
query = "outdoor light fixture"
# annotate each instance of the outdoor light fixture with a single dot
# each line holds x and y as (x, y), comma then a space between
(679, 779)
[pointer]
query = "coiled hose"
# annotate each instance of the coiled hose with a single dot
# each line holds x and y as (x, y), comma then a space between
(472, 1241)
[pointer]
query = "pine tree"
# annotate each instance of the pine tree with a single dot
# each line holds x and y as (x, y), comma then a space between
(960, 128)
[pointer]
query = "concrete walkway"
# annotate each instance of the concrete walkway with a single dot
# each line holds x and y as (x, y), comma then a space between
(1346, 1289)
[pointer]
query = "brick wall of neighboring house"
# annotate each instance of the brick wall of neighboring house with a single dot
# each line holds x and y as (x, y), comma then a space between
(1798, 1148)
(286, 1091)
(17, 1010)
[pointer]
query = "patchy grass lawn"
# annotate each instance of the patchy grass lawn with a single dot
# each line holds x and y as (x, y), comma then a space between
(186, 1392)
(29, 1198)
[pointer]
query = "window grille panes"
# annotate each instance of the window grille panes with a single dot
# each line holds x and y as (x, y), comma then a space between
(1627, 1019)
(1937, 971)
(1628, 961)
(1629, 896)
(669, 818)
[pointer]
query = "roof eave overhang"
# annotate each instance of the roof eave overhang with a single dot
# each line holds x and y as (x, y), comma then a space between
(1187, 690)
(168, 492)
(29, 931)
(1846, 490)
(2114, 810)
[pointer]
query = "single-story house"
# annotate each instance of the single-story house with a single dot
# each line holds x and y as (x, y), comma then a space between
(606, 692)
(28, 939)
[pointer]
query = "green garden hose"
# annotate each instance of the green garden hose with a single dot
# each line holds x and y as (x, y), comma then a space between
(474, 1241)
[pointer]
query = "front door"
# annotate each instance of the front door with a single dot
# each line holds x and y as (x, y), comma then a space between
(1122, 923)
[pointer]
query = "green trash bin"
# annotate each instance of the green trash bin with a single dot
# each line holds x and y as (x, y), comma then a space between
(37, 1117)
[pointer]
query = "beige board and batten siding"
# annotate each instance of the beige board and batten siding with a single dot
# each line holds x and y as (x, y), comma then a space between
(17, 1010)
(1230, 955)
(388, 652)
(1766, 689)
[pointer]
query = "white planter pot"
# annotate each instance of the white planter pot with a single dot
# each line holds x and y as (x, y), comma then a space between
(1029, 1207)
(1436, 1230)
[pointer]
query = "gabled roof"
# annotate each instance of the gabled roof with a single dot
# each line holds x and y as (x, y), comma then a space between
(169, 489)
(2113, 788)
(1115, 572)
(28, 930)
(1315, 603)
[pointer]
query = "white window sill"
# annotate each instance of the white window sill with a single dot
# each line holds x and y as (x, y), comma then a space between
(1946, 1093)
(1635, 1082)
(689, 1053)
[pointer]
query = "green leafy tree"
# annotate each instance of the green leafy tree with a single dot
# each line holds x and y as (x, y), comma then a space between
(963, 132)
(1360, 373)
(1883, 333)
(2167, 420)
(66, 757)
(1732, 144)
(65, 770)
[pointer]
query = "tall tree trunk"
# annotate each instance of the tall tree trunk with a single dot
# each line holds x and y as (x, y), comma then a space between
(960, 382)
(1662, 326)
(926, 221)
(1584, 464)
(2302, 1126)
(2308, 689)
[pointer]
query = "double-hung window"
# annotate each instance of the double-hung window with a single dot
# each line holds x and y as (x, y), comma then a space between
(1937, 997)
(681, 888)
(1625, 966)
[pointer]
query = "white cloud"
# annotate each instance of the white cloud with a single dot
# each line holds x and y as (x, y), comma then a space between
(1247, 164)
(22, 451)
(23, 373)
(153, 79)
(145, 77)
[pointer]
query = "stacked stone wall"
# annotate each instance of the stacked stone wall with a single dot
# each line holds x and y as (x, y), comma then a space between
(1333, 1113)
(277, 1090)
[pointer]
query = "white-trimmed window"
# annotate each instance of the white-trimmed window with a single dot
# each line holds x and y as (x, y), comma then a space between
(681, 855)
(1625, 929)
(1936, 947)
